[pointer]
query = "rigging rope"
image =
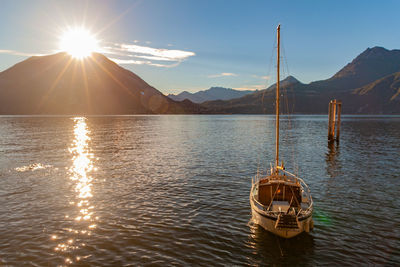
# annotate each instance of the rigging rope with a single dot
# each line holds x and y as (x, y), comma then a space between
(289, 111)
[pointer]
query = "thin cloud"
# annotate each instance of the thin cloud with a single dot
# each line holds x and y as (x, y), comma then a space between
(147, 55)
(266, 77)
(141, 62)
(129, 61)
(223, 74)
(250, 87)
(156, 58)
(17, 53)
(166, 54)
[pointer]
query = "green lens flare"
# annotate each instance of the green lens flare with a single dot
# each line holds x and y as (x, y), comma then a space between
(322, 217)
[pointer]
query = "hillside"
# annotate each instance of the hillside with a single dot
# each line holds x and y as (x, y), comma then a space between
(59, 84)
(386, 90)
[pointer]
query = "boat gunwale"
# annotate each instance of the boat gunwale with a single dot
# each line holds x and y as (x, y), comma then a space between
(302, 213)
(274, 214)
(303, 186)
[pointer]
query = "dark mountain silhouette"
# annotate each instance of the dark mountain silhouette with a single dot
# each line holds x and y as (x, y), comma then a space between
(369, 84)
(371, 65)
(381, 96)
(214, 93)
(59, 84)
(262, 101)
(288, 81)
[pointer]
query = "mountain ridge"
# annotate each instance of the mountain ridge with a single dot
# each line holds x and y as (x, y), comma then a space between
(213, 93)
(369, 67)
(60, 84)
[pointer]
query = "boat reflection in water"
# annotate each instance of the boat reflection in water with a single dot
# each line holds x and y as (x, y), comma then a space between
(82, 214)
(271, 249)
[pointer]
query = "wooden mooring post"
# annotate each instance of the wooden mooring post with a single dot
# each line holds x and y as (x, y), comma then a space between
(335, 107)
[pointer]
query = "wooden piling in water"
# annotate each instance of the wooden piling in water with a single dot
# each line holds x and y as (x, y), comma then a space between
(330, 114)
(338, 121)
(334, 106)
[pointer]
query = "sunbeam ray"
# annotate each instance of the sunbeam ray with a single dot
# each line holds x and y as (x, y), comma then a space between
(47, 94)
(121, 85)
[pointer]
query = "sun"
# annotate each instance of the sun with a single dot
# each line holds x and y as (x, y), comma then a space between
(78, 42)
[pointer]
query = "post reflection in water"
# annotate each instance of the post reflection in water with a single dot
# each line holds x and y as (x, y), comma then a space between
(333, 165)
(82, 215)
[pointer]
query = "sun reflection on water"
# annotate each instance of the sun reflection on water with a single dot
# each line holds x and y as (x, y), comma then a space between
(82, 220)
(82, 163)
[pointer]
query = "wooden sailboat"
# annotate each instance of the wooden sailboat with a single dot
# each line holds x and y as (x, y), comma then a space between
(280, 201)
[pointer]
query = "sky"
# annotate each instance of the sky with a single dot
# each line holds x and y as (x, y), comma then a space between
(188, 45)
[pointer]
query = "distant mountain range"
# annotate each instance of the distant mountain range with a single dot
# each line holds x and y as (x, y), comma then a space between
(370, 84)
(214, 93)
(60, 84)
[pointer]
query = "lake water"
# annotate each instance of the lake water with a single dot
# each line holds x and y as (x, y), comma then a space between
(174, 190)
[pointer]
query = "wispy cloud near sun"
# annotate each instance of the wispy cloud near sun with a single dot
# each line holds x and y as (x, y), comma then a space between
(18, 53)
(139, 55)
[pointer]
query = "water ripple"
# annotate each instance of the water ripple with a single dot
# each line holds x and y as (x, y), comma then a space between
(173, 190)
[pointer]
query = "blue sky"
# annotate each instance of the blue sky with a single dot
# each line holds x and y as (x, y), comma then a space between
(177, 45)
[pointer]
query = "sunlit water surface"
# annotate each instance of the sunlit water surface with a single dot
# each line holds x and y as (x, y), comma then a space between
(173, 190)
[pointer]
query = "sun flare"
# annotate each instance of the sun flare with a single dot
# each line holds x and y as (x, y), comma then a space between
(78, 42)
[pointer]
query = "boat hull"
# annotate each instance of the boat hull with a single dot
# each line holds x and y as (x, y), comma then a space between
(268, 223)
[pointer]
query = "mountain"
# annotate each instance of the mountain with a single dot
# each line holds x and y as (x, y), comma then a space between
(380, 96)
(368, 84)
(60, 84)
(214, 93)
(259, 102)
(371, 65)
(288, 81)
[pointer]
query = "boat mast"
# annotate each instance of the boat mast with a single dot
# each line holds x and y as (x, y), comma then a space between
(277, 103)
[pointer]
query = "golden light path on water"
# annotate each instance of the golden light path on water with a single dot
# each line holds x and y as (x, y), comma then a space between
(82, 163)
(80, 173)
